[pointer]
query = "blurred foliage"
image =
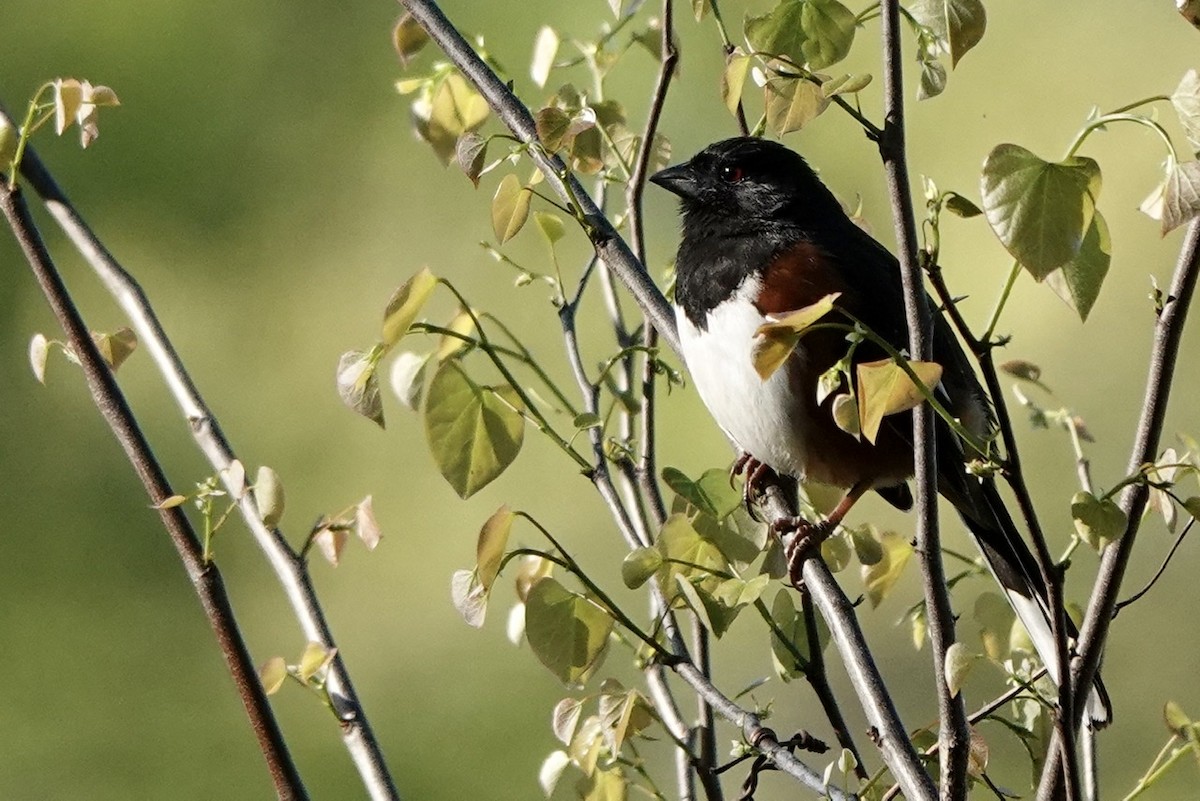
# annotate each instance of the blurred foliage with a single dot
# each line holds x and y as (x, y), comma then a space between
(262, 181)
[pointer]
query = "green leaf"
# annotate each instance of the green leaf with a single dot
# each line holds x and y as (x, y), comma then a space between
(995, 617)
(551, 226)
(450, 345)
(1186, 100)
(469, 154)
(587, 420)
(510, 208)
(1181, 195)
(1176, 719)
(608, 784)
(775, 341)
(737, 592)
(960, 206)
(1097, 521)
(958, 23)
(700, 8)
(116, 347)
(639, 565)
(473, 432)
(881, 577)
(1192, 505)
(791, 624)
(711, 613)
(469, 596)
(493, 540)
(866, 546)
(959, 662)
(711, 493)
(445, 110)
(678, 542)
(268, 494)
(405, 304)
(1040, 210)
(273, 674)
(565, 719)
(545, 48)
(315, 660)
(553, 126)
(816, 33)
(885, 388)
(846, 84)
(567, 632)
(408, 37)
(623, 713)
(792, 103)
(366, 527)
(835, 553)
(933, 79)
(845, 414)
(358, 385)
(1078, 281)
(733, 79)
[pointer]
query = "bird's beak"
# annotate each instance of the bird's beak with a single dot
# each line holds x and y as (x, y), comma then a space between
(679, 180)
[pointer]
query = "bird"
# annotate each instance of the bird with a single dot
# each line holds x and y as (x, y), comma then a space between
(763, 236)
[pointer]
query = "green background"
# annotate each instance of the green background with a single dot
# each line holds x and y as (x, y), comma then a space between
(262, 181)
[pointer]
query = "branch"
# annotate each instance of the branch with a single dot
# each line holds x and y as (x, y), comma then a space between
(954, 735)
(886, 729)
(609, 245)
(205, 578)
(1168, 332)
(290, 570)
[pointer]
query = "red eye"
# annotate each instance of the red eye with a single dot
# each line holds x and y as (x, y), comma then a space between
(732, 173)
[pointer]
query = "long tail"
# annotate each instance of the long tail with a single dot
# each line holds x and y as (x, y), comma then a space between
(1008, 557)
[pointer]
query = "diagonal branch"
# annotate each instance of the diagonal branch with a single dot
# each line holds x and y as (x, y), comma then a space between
(1164, 354)
(954, 735)
(205, 577)
(610, 247)
(290, 569)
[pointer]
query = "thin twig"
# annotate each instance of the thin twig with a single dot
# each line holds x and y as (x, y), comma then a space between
(290, 570)
(205, 577)
(954, 736)
(818, 678)
(1158, 573)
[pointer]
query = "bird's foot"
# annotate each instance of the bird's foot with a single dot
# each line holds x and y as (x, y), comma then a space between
(755, 471)
(806, 537)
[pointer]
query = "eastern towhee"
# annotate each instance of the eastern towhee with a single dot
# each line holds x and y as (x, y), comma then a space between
(763, 236)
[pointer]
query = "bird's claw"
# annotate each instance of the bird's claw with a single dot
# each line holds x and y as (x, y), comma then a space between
(754, 470)
(806, 537)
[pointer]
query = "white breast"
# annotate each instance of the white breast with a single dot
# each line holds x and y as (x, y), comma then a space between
(761, 417)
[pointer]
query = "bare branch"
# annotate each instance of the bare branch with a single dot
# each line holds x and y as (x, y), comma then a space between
(290, 570)
(954, 736)
(204, 575)
(1163, 356)
(1164, 353)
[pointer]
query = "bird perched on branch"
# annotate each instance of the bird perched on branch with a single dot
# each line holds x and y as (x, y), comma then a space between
(762, 237)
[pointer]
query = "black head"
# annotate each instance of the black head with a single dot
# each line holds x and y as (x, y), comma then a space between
(746, 182)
